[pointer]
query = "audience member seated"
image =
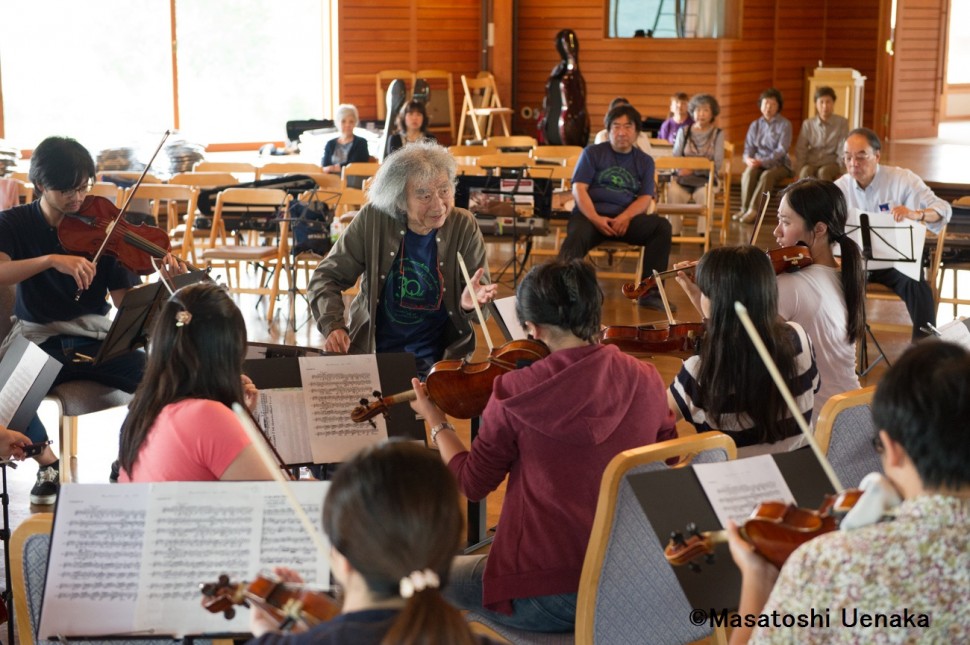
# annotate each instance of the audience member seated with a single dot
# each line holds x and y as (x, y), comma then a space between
(819, 149)
(180, 425)
(394, 520)
(726, 386)
(903, 580)
(347, 147)
(679, 118)
(613, 185)
(873, 188)
(765, 154)
(700, 139)
(643, 139)
(551, 427)
(412, 126)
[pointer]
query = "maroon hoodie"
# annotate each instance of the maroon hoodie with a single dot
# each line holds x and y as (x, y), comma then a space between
(553, 427)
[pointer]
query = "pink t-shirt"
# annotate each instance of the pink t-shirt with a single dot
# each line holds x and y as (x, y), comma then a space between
(192, 440)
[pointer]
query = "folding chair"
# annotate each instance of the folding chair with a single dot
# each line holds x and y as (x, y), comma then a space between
(844, 432)
(481, 103)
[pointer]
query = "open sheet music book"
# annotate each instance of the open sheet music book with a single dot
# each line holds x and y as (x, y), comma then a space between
(129, 558)
(26, 375)
(311, 424)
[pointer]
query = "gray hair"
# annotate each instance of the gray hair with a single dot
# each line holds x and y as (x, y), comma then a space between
(704, 99)
(419, 163)
(344, 110)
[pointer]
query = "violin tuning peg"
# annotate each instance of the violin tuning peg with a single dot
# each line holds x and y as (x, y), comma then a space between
(363, 402)
(677, 538)
(229, 613)
(692, 530)
(377, 395)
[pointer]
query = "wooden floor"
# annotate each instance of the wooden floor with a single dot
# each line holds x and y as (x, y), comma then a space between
(99, 432)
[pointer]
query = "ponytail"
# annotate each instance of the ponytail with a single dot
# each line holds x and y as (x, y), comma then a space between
(428, 619)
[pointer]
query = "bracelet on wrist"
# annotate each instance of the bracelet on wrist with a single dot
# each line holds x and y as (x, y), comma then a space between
(922, 215)
(444, 425)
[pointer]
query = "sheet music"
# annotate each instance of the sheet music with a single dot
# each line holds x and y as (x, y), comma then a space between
(890, 239)
(735, 488)
(130, 557)
(95, 558)
(957, 332)
(282, 416)
(506, 309)
(28, 368)
(333, 386)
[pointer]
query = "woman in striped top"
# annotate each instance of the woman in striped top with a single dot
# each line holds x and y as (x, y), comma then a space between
(726, 386)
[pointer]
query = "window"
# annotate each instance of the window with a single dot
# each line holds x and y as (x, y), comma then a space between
(99, 72)
(102, 72)
(667, 19)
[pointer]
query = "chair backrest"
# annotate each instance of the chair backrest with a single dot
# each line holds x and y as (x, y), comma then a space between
(558, 154)
(238, 167)
(505, 160)
(380, 87)
(126, 177)
(353, 174)
(472, 151)
(481, 91)
(203, 179)
(107, 190)
(627, 589)
(844, 432)
(512, 141)
(286, 168)
(442, 108)
(177, 199)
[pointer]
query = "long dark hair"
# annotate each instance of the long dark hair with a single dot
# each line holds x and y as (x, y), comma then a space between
(562, 294)
(391, 510)
(732, 377)
(196, 350)
(822, 201)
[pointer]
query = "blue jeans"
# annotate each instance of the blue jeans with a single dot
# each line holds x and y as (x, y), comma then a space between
(556, 613)
(123, 372)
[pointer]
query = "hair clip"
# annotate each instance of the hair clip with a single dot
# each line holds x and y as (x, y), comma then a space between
(183, 318)
(418, 581)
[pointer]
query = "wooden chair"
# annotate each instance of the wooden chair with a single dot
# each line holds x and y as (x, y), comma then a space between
(176, 199)
(555, 155)
(691, 212)
(875, 291)
(442, 84)
(481, 104)
(382, 79)
(109, 191)
(844, 431)
(505, 160)
(957, 239)
(240, 169)
(516, 142)
(274, 169)
(353, 174)
(627, 588)
(472, 151)
(126, 177)
(725, 192)
(203, 179)
(269, 258)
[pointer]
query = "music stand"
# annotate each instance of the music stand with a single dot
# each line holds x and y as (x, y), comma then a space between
(131, 325)
(893, 254)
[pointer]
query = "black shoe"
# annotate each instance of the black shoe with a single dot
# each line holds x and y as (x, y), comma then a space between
(44, 492)
(115, 471)
(652, 300)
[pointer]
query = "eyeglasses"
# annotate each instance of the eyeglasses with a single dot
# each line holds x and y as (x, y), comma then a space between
(445, 193)
(859, 157)
(622, 126)
(80, 190)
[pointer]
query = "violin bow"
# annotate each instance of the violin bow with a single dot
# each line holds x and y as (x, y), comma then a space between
(761, 218)
(663, 297)
(124, 207)
(260, 443)
(478, 309)
(787, 395)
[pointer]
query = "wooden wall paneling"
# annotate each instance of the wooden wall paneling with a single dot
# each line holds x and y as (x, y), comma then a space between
(918, 68)
(409, 34)
(852, 37)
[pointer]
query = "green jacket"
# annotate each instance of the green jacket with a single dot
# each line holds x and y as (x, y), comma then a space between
(367, 249)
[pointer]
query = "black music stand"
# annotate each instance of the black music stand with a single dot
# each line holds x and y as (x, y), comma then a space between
(7, 595)
(867, 232)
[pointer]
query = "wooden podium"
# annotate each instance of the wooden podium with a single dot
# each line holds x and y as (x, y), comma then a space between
(849, 85)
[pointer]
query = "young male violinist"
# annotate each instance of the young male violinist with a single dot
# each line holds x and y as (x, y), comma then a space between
(903, 580)
(47, 310)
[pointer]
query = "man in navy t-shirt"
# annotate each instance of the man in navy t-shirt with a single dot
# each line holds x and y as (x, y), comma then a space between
(47, 310)
(613, 186)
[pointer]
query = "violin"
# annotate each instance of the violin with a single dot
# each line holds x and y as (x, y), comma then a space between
(293, 605)
(775, 529)
(679, 338)
(96, 228)
(459, 388)
(785, 259)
